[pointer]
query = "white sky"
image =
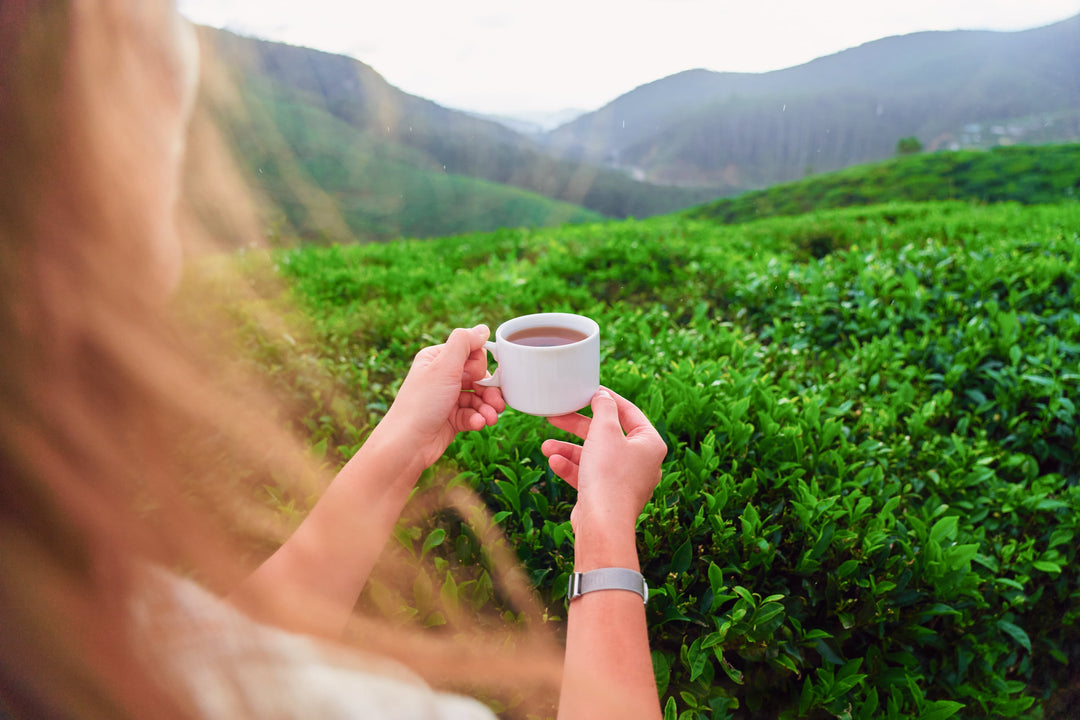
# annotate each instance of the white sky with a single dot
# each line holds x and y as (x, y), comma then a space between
(517, 57)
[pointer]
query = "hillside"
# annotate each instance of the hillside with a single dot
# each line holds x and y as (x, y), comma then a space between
(391, 163)
(870, 503)
(746, 131)
(325, 182)
(1024, 174)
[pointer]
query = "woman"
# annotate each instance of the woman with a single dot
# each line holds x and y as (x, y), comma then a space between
(108, 412)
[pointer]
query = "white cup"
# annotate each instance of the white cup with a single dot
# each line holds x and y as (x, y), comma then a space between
(546, 381)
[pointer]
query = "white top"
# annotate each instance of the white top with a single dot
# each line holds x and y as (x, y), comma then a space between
(231, 666)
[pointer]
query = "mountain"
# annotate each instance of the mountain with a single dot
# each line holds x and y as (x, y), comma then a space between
(346, 154)
(742, 131)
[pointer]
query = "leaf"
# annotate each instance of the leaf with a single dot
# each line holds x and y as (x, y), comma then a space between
(744, 594)
(449, 593)
(823, 541)
(733, 673)
(511, 493)
(422, 589)
(711, 640)
(691, 701)
(828, 653)
(960, 556)
(434, 539)
(1050, 504)
(806, 698)
(680, 561)
(940, 709)
(661, 670)
(890, 507)
(1016, 632)
(1060, 537)
(846, 568)
(697, 660)
(1047, 567)
(788, 664)
(751, 521)
(816, 635)
(767, 612)
(716, 578)
(944, 529)
(671, 710)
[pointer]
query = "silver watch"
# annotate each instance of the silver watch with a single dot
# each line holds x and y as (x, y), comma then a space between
(613, 578)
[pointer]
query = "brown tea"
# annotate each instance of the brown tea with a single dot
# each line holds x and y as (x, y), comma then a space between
(546, 336)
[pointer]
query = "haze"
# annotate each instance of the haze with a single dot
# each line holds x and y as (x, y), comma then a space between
(520, 59)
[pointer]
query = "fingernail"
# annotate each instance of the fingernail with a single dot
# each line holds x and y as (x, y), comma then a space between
(604, 394)
(481, 328)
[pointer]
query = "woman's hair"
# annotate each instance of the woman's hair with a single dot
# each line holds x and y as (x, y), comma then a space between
(127, 437)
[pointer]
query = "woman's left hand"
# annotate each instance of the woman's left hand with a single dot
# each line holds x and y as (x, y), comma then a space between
(439, 398)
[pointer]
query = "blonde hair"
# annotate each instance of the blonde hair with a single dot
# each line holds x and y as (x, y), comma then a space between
(123, 439)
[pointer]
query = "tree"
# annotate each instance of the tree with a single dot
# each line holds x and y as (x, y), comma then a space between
(909, 146)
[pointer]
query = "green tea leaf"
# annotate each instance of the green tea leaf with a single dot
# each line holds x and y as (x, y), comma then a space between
(716, 578)
(944, 529)
(433, 540)
(1016, 633)
(940, 709)
(662, 671)
(680, 561)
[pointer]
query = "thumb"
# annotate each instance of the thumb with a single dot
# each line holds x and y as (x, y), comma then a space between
(461, 344)
(605, 413)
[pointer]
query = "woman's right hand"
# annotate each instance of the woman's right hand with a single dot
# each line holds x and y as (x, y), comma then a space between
(616, 469)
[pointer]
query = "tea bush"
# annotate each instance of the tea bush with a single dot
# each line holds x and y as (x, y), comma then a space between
(1029, 174)
(869, 507)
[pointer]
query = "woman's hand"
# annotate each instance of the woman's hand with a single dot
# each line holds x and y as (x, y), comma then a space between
(439, 399)
(608, 671)
(617, 468)
(324, 565)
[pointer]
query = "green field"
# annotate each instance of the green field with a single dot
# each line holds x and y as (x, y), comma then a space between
(328, 182)
(1025, 174)
(869, 508)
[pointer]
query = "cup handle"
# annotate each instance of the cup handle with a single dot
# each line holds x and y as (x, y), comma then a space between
(494, 380)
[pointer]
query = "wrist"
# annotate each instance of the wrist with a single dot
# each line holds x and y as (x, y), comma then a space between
(396, 451)
(596, 546)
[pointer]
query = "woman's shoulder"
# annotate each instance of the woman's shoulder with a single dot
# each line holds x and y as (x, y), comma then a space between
(231, 666)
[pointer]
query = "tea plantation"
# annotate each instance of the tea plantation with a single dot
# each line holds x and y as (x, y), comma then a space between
(869, 508)
(1028, 174)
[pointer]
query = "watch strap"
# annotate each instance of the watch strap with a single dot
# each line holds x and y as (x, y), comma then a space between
(612, 578)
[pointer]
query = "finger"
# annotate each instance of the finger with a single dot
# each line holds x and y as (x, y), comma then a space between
(475, 367)
(631, 418)
(605, 417)
(461, 344)
(574, 423)
(493, 397)
(564, 468)
(570, 451)
(477, 403)
(467, 418)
